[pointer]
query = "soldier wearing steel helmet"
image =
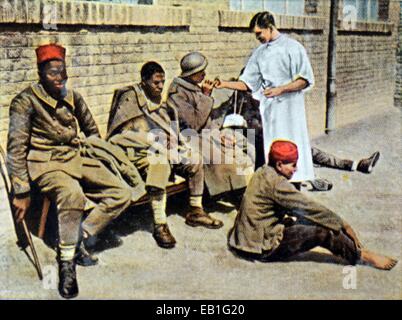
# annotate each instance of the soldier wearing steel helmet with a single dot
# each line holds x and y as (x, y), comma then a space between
(190, 94)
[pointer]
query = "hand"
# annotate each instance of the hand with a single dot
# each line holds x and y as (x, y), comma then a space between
(352, 234)
(207, 87)
(21, 206)
(228, 141)
(273, 92)
(218, 83)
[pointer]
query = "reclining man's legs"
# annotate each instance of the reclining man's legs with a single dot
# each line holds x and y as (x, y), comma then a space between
(300, 238)
(325, 159)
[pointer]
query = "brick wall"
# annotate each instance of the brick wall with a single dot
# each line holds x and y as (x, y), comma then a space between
(107, 44)
(398, 91)
(365, 74)
(215, 4)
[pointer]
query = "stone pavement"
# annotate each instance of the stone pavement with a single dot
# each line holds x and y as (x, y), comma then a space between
(201, 267)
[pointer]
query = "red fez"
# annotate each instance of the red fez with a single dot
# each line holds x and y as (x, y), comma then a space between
(50, 52)
(283, 150)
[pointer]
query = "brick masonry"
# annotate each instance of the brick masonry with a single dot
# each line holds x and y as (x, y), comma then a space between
(107, 44)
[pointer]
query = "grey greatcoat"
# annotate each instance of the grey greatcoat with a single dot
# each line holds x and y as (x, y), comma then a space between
(234, 167)
(43, 146)
(131, 120)
(259, 225)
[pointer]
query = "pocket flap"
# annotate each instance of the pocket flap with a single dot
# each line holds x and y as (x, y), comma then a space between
(40, 156)
(91, 162)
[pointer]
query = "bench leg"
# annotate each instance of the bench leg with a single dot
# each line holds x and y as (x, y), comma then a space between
(43, 217)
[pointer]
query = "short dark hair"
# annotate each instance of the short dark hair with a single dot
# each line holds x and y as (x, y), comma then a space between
(264, 20)
(272, 162)
(149, 69)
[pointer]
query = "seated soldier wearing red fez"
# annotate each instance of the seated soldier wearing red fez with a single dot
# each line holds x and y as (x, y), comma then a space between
(44, 148)
(265, 228)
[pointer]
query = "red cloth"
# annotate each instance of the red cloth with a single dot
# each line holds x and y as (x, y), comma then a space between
(283, 150)
(50, 52)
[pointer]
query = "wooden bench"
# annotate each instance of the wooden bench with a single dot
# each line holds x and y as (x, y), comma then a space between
(42, 208)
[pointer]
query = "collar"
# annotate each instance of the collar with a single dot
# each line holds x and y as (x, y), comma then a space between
(185, 84)
(41, 93)
(275, 41)
(143, 101)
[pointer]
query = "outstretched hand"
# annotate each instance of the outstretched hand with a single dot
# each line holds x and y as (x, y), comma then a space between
(218, 83)
(207, 87)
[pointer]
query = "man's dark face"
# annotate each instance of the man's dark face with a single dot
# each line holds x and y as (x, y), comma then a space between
(154, 85)
(53, 76)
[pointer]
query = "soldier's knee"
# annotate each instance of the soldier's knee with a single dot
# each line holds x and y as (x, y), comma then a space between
(197, 168)
(124, 195)
(193, 169)
(322, 234)
(71, 196)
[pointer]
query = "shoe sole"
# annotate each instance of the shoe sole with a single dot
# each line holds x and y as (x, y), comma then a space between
(321, 185)
(70, 296)
(374, 161)
(164, 246)
(208, 226)
(87, 264)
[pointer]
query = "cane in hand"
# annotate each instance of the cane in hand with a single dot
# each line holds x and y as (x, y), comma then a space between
(8, 188)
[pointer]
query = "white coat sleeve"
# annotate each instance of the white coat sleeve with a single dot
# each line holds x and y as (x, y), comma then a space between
(252, 76)
(300, 66)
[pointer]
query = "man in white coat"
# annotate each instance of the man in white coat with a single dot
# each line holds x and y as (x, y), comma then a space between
(278, 73)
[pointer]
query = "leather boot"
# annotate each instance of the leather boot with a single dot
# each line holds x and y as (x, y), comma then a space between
(320, 185)
(105, 240)
(68, 286)
(198, 217)
(163, 236)
(367, 165)
(84, 258)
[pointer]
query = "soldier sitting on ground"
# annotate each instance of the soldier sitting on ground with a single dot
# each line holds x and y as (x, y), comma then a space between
(264, 228)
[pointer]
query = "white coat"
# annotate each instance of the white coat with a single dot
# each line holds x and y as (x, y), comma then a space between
(274, 64)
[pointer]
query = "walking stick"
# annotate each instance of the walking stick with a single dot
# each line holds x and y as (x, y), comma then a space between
(8, 188)
(31, 245)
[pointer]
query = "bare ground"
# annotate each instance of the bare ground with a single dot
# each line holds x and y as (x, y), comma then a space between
(201, 266)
